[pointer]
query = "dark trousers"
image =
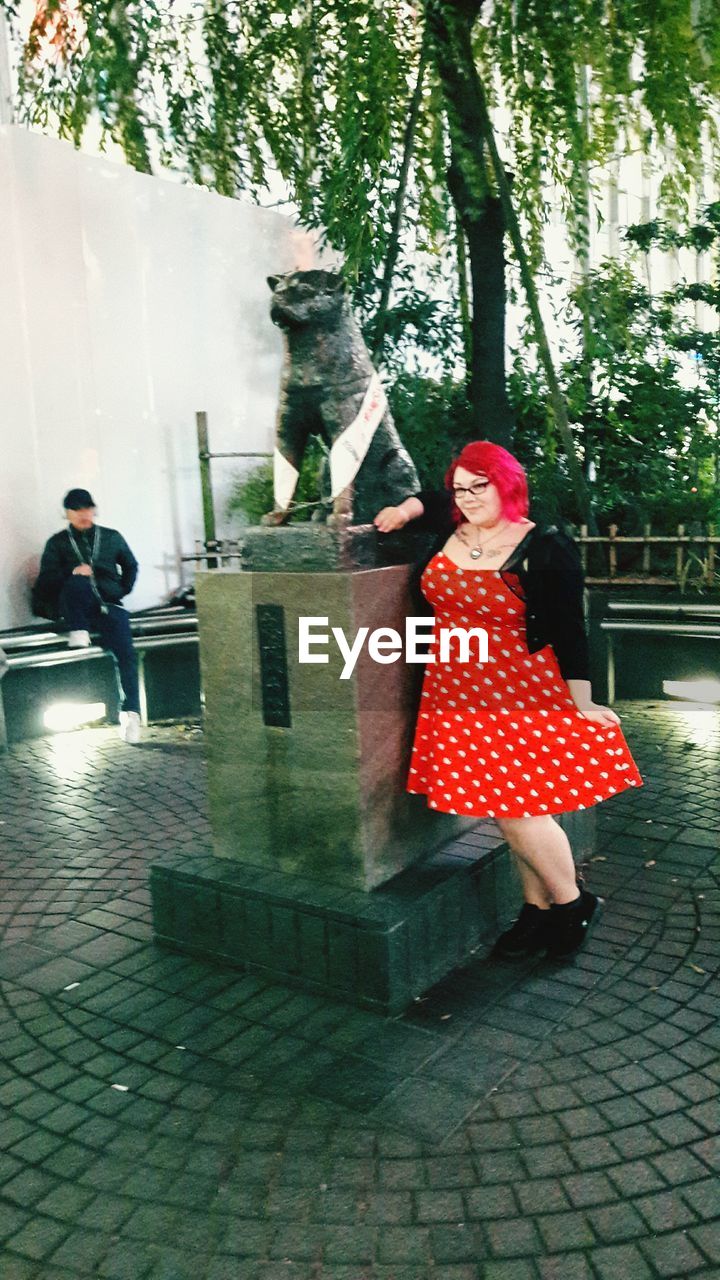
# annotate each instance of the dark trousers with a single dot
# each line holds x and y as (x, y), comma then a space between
(81, 611)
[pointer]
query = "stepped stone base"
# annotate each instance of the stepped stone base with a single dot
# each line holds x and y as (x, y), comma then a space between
(378, 950)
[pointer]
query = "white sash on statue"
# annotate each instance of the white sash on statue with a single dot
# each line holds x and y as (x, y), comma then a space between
(285, 478)
(350, 448)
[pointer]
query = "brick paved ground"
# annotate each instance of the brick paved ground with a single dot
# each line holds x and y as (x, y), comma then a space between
(162, 1119)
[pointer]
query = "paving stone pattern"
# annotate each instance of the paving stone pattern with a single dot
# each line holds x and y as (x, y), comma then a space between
(162, 1119)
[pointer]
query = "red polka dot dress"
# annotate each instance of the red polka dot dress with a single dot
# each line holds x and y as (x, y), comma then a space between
(504, 739)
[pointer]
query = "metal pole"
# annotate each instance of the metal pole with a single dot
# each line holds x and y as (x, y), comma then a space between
(206, 485)
(610, 669)
(3, 725)
(243, 454)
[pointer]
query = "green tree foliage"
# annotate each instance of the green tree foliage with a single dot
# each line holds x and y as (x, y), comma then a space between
(234, 94)
(228, 91)
(646, 406)
(433, 418)
(654, 70)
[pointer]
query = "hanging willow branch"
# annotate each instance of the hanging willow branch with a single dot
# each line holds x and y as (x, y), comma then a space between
(332, 118)
(234, 94)
(394, 242)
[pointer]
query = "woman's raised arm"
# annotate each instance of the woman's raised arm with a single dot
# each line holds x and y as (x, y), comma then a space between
(392, 518)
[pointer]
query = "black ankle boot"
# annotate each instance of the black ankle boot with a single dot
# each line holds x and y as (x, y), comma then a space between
(527, 936)
(570, 924)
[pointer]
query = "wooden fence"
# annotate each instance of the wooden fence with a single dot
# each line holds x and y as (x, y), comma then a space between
(649, 559)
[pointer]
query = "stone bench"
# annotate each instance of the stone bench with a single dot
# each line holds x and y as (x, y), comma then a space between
(44, 649)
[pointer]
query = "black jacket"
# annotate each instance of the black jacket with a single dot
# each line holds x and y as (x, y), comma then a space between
(114, 567)
(547, 565)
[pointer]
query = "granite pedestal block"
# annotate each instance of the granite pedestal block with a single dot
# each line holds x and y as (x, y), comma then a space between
(307, 771)
(313, 548)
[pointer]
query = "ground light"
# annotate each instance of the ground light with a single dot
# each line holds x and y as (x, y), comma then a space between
(693, 690)
(63, 716)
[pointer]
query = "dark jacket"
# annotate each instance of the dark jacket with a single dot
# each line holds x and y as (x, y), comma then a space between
(547, 567)
(114, 569)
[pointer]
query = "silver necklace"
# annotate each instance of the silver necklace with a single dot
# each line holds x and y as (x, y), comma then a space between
(480, 547)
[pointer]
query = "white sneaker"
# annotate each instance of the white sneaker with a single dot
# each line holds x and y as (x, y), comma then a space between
(78, 639)
(130, 727)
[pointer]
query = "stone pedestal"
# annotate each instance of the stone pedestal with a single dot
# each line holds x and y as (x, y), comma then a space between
(326, 873)
(307, 771)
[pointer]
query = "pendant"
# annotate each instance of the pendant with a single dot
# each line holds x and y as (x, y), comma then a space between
(475, 553)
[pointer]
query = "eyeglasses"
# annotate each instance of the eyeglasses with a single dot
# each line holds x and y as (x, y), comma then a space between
(475, 491)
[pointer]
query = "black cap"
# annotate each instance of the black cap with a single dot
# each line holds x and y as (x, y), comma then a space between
(77, 500)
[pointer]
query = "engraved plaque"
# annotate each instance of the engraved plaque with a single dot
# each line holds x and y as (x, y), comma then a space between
(270, 620)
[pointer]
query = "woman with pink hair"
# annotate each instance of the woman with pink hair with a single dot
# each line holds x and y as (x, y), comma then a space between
(519, 738)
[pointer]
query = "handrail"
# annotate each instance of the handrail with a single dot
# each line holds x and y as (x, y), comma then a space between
(53, 657)
(57, 657)
(681, 609)
(40, 641)
(662, 628)
(188, 622)
(185, 623)
(162, 642)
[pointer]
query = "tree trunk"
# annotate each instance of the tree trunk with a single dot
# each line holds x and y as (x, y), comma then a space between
(480, 213)
(484, 226)
(463, 291)
(450, 24)
(584, 266)
(582, 495)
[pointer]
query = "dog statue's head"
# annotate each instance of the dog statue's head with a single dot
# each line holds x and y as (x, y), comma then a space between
(306, 298)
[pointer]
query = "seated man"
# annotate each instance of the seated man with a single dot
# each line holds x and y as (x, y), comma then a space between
(85, 571)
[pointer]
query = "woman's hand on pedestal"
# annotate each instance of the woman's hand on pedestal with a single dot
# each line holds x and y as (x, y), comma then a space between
(391, 519)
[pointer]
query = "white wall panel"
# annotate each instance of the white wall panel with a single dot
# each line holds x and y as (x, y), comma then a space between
(129, 302)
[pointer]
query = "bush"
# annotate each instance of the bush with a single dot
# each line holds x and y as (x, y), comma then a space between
(252, 494)
(638, 408)
(434, 421)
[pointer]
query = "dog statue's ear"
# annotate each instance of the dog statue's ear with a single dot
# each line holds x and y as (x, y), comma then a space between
(273, 282)
(335, 281)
